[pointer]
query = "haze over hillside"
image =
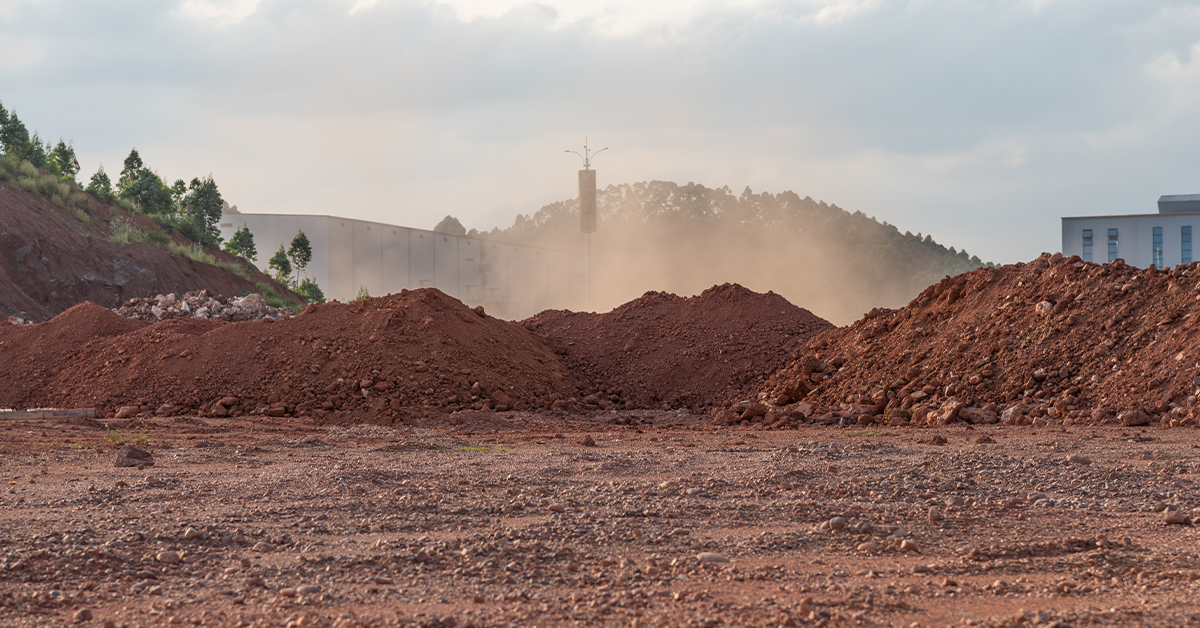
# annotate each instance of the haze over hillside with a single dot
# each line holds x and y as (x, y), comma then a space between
(663, 236)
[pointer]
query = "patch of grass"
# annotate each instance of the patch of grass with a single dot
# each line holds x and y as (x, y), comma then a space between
(116, 437)
(142, 438)
(81, 215)
(484, 448)
(193, 251)
(123, 231)
(863, 433)
(158, 238)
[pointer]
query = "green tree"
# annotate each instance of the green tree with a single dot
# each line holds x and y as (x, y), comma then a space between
(310, 291)
(282, 267)
(63, 159)
(149, 194)
(37, 153)
(202, 205)
(241, 244)
(450, 224)
(15, 137)
(178, 191)
(300, 253)
(3, 115)
(101, 186)
(133, 171)
(363, 293)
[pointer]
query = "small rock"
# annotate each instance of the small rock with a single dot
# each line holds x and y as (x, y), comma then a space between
(588, 441)
(127, 411)
(192, 533)
(308, 589)
(837, 523)
(1134, 418)
(711, 557)
(557, 507)
(955, 501)
(168, 557)
(869, 546)
(262, 547)
(920, 569)
(935, 514)
(1176, 517)
(909, 546)
(1078, 459)
(288, 592)
(83, 614)
(131, 456)
(680, 532)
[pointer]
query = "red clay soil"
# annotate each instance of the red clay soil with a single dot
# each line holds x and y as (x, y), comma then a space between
(1056, 341)
(662, 350)
(384, 360)
(50, 260)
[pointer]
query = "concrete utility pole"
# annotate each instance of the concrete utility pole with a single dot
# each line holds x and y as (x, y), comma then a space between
(587, 215)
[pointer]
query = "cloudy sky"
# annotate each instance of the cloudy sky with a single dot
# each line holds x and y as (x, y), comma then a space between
(980, 122)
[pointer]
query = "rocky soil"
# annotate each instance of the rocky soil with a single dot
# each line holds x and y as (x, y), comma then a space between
(662, 350)
(506, 519)
(1053, 342)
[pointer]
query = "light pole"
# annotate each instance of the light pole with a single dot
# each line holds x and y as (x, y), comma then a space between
(587, 215)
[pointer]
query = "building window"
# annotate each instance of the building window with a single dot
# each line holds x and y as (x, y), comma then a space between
(1087, 245)
(1112, 244)
(1157, 248)
(1185, 244)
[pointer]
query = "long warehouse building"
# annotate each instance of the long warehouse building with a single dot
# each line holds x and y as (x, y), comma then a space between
(509, 280)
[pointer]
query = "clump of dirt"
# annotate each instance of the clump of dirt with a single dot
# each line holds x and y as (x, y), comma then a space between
(383, 360)
(666, 350)
(1055, 341)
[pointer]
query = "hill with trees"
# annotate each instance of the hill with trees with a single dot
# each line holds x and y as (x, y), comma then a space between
(61, 244)
(660, 235)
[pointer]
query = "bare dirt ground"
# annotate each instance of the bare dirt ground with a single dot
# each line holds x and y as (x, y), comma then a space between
(506, 519)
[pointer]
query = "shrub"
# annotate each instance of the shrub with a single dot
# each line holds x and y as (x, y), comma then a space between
(123, 231)
(28, 170)
(194, 252)
(29, 184)
(310, 291)
(82, 216)
(158, 238)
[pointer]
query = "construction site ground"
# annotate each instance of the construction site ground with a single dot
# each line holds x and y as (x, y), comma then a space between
(615, 518)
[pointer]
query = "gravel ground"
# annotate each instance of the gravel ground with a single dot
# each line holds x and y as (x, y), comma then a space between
(508, 520)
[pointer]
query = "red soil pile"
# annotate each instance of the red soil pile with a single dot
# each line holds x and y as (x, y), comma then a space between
(1055, 341)
(381, 360)
(670, 351)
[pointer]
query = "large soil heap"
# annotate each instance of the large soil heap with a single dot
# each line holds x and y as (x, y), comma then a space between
(1055, 340)
(380, 360)
(662, 349)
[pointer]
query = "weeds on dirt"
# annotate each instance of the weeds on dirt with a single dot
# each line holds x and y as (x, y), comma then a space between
(193, 251)
(115, 437)
(123, 231)
(861, 433)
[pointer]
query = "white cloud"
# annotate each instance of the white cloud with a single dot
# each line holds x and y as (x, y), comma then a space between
(220, 12)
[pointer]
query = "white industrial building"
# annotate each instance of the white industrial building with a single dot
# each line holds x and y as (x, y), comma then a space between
(510, 281)
(1162, 240)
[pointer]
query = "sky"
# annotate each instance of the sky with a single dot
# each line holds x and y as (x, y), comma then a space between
(979, 122)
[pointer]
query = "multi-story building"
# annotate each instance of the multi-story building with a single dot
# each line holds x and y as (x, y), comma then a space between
(1163, 239)
(510, 280)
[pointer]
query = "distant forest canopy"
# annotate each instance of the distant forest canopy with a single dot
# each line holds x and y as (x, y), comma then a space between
(685, 238)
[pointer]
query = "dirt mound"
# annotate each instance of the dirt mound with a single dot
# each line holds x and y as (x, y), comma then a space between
(53, 258)
(381, 360)
(666, 350)
(1054, 341)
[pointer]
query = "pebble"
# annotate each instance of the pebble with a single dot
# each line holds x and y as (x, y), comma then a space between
(837, 523)
(935, 514)
(909, 546)
(192, 533)
(557, 507)
(712, 557)
(288, 592)
(168, 557)
(680, 532)
(308, 589)
(1176, 517)
(262, 547)
(869, 546)
(1078, 459)
(955, 501)
(83, 614)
